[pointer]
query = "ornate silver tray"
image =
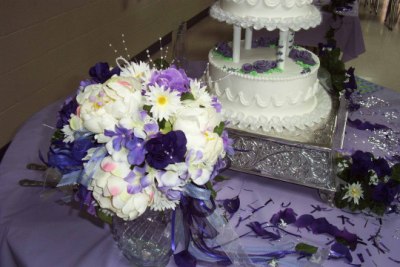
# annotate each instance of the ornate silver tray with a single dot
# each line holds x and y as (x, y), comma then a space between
(304, 157)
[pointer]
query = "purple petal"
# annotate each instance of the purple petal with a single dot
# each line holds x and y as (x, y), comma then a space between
(287, 215)
(304, 221)
(339, 250)
(134, 189)
(117, 143)
(232, 205)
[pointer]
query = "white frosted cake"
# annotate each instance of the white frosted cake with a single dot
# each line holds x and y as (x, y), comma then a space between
(262, 85)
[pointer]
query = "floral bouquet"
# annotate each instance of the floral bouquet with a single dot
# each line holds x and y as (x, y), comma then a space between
(370, 183)
(134, 137)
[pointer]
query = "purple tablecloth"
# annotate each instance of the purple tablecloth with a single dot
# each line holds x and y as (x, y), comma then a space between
(36, 231)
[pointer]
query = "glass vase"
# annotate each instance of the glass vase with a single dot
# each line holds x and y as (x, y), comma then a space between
(145, 241)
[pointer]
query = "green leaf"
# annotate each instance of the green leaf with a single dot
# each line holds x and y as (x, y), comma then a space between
(104, 217)
(58, 135)
(187, 96)
(396, 172)
(303, 247)
(220, 128)
(165, 126)
(147, 108)
(220, 178)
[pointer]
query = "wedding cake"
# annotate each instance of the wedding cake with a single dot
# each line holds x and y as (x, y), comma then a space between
(266, 84)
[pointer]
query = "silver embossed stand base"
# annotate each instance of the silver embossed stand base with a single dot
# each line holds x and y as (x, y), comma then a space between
(305, 157)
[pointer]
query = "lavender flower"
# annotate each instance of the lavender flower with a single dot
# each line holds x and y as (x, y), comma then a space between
(166, 149)
(172, 78)
(137, 151)
(137, 180)
(216, 104)
(121, 137)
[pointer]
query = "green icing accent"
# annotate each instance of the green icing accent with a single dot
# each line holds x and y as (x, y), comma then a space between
(304, 66)
(255, 73)
(216, 54)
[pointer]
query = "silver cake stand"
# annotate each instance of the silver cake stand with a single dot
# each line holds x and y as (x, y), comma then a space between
(304, 157)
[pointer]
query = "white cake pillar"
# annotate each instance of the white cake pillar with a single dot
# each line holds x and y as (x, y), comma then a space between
(248, 38)
(290, 42)
(237, 34)
(282, 48)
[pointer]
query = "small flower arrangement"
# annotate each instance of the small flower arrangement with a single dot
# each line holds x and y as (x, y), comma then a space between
(370, 183)
(134, 137)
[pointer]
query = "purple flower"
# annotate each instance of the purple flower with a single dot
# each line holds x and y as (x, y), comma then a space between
(381, 167)
(247, 68)
(224, 49)
(228, 143)
(362, 163)
(263, 65)
(84, 196)
(136, 180)
(171, 78)
(302, 55)
(101, 72)
(218, 168)
(287, 215)
(166, 149)
(69, 107)
(170, 193)
(385, 192)
(216, 104)
(121, 137)
(137, 151)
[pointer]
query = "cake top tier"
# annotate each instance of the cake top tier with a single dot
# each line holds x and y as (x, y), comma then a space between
(270, 14)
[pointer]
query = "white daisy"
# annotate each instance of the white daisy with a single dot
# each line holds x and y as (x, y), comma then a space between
(164, 104)
(354, 192)
(140, 71)
(161, 202)
(200, 94)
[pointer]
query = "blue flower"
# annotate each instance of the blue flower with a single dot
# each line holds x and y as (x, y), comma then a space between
(166, 149)
(101, 72)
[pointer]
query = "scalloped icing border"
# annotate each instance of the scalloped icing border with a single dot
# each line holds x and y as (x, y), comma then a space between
(291, 123)
(273, 3)
(283, 24)
(258, 100)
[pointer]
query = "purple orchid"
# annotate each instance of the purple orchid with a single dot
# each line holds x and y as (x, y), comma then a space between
(287, 215)
(302, 56)
(137, 180)
(101, 72)
(172, 78)
(166, 149)
(121, 137)
(69, 107)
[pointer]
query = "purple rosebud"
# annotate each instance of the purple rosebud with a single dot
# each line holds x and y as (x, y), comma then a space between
(166, 149)
(260, 66)
(302, 56)
(246, 68)
(172, 78)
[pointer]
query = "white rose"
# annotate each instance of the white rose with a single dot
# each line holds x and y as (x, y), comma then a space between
(214, 147)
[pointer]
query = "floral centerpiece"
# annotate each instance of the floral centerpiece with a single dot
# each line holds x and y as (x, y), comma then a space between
(369, 183)
(134, 137)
